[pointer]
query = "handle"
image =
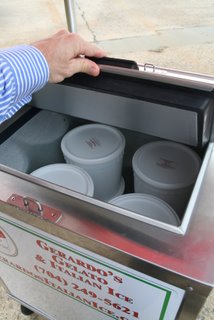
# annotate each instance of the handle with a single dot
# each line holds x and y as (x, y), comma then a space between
(34, 207)
(115, 62)
(27, 203)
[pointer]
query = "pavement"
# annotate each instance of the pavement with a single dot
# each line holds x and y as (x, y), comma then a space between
(174, 34)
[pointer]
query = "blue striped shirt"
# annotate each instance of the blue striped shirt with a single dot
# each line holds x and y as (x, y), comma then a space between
(23, 70)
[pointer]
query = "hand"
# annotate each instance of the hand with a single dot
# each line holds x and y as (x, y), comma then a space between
(65, 53)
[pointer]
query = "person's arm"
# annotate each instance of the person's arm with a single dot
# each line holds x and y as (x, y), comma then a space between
(23, 70)
(26, 69)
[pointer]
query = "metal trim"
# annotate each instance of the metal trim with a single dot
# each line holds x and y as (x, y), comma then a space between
(171, 76)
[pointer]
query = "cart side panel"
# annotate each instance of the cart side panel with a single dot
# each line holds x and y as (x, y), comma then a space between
(87, 285)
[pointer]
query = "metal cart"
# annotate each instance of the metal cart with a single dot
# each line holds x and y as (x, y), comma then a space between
(68, 256)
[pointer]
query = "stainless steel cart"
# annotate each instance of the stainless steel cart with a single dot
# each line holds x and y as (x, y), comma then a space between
(67, 256)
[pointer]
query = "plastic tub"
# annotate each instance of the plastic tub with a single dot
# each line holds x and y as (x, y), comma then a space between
(167, 170)
(14, 157)
(120, 191)
(41, 137)
(68, 176)
(148, 206)
(99, 150)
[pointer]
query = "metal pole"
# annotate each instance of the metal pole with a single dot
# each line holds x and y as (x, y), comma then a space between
(70, 15)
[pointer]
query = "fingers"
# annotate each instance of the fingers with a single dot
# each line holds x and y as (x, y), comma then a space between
(78, 46)
(93, 51)
(61, 33)
(76, 65)
(62, 52)
(83, 47)
(84, 65)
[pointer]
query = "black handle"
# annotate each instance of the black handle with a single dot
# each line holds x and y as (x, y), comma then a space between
(115, 62)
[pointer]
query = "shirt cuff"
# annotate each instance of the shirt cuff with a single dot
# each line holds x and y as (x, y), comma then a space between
(29, 69)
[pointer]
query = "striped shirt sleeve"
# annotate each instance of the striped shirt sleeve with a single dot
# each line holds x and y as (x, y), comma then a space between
(23, 71)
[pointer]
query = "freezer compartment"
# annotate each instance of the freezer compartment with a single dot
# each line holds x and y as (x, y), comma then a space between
(32, 143)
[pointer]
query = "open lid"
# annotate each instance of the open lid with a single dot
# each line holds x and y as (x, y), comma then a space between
(169, 104)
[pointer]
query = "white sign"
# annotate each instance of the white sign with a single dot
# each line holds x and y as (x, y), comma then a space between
(102, 285)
